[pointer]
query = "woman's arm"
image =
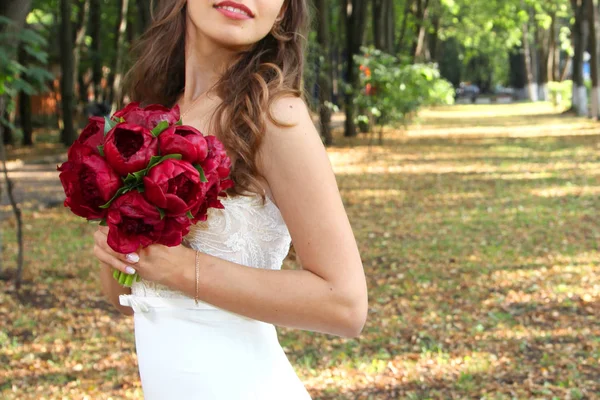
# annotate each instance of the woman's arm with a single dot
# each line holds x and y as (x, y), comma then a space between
(329, 294)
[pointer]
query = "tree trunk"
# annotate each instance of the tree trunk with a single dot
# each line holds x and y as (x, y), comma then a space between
(324, 78)
(390, 26)
(552, 70)
(421, 30)
(579, 33)
(95, 25)
(565, 72)
(531, 86)
(15, 10)
(68, 134)
(543, 50)
(80, 30)
(145, 17)
(25, 105)
(592, 22)
(13, 202)
(117, 73)
(377, 24)
(404, 25)
(433, 39)
(355, 20)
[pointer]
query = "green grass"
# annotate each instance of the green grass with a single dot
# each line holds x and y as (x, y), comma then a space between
(480, 236)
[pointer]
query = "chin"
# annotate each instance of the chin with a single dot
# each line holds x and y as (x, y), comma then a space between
(235, 39)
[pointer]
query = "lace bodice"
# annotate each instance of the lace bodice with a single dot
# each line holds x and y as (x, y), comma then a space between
(245, 232)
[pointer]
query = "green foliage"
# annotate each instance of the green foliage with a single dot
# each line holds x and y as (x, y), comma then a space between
(14, 76)
(561, 93)
(392, 91)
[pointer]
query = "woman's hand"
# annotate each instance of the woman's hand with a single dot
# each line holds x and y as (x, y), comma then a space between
(156, 263)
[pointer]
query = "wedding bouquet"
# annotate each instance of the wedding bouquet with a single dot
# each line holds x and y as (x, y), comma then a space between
(146, 176)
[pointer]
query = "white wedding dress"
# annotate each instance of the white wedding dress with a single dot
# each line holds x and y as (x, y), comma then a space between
(188, 351)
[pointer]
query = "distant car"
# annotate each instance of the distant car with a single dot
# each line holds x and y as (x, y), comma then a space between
(468, 90)
(501, 90)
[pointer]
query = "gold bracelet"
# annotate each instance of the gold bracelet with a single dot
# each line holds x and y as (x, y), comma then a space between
(197, 276)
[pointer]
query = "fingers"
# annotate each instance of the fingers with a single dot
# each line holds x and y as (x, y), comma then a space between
(100, 238)
(111, 260)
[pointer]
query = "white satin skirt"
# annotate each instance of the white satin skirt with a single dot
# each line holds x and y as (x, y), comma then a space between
(187, 351)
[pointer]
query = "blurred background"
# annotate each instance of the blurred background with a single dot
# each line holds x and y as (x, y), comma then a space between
(465, 139)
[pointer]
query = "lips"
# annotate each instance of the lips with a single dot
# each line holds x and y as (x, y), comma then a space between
(234, 7)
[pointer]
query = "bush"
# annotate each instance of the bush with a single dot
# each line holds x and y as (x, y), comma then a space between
(392, 92)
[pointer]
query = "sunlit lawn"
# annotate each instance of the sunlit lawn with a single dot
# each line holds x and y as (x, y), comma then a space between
(480, 235)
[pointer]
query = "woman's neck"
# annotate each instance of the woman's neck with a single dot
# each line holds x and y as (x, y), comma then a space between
(205, 62)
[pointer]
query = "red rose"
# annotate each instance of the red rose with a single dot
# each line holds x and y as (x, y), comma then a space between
(174, 186)
(88, 181)
(217, 159)
(174, 231)
(133, 222)
(184, 140)
(148, 116)
(93, 134)
(128, 148)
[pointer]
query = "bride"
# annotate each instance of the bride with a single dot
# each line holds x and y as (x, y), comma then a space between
(205, 312)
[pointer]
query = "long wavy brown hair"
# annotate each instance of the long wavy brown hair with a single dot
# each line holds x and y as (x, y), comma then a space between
(272, 68)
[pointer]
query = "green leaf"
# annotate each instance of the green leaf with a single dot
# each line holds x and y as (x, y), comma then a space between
(175, 156)
(103, 223)
(101, 150)
(155, 160)
(189, 214)
(201, 171)
(158, 129)
(161, 212)
(180, 122)
(117, 194)
(108, 125)
(139, 174)
(130, 179)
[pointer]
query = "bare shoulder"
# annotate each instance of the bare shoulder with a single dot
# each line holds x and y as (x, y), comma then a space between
(290, 145)
(289, 110)
(292, 128)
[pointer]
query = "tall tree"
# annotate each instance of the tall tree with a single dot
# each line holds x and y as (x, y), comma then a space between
(116, 75)
(96, 55)
(531, 87)
(16, 11)
(25, 103)
(377, 24)
(80, 29)
(144, 14)
(579, 35)
(553, 50)
(404, 26)
(354, 12)
(542, 42)
(68, 134)
(390, 26)
(383, 25)
(324, 78)
(421, 16)
(592, 12)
